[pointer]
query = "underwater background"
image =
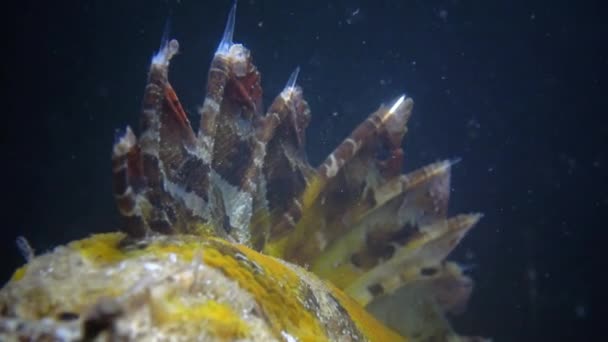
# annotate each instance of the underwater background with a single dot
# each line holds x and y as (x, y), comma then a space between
(514, 88)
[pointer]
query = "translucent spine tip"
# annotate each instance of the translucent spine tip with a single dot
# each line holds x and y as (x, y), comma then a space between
(293, 78)
(290, 87)
(226, 42)
(168, 48)
(454, 161)
(397, 104)
(398, 113)
(25, 248)
(166, 31)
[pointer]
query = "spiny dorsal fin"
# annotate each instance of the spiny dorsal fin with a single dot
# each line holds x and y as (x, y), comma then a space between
(343, 186)
(408, 263)
(245, 177)
(402, 206)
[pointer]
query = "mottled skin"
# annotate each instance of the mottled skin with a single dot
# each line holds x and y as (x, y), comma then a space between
(182, 287)
(219, 227)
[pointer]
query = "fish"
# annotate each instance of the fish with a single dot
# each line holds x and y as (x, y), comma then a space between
(230, 234)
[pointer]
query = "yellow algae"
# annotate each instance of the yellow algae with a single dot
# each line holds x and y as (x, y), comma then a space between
(186, 249)
(19, 273)
(102, 248)
(219, 319)
(274, 286)
(367, 324)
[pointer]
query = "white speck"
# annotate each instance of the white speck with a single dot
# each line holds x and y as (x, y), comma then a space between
(288, 337)
(413, 62)
(532, 16)
(364, 42)
(352, 16)
(335, 114)
(473, 124)
(580, 311)
(443, 14)
(152, 267)
(443, 77)
(260, 23)
(172, 257)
